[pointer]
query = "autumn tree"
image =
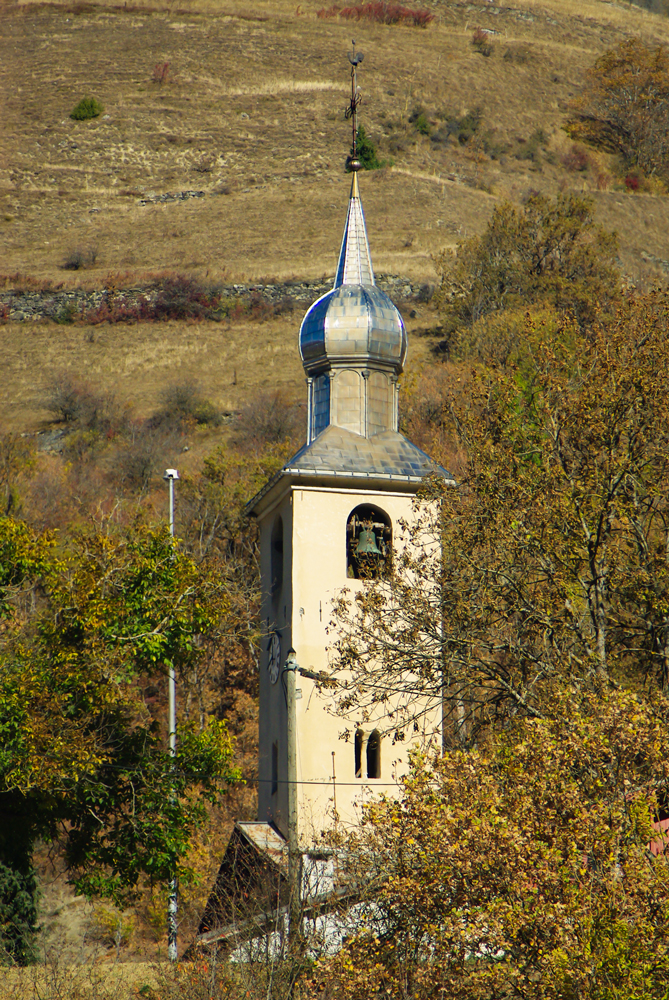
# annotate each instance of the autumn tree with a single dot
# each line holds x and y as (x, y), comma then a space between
(549, 561)
(17, 460)
(624, 105)
(547, 251)
(83, 759)
(215, 532)
(519, 868)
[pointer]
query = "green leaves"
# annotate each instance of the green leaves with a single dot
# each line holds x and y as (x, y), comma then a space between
(80, 750)
(133, 819)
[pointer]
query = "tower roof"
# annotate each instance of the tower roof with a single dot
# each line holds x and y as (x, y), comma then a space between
(355, 261)
(340, 458)
(355, 324)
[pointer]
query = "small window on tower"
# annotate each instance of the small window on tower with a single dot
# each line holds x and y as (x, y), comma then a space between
(369, 543)
(276, 560)
(275, 768)
(374, 755)
(358, 745)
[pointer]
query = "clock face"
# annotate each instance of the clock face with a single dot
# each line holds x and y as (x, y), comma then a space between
(274, 660)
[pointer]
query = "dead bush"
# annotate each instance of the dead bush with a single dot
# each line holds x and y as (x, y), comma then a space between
(181, 297)
(160, 73)
(79, 258)
(74, 402)
(575, 160)
(481, 41)
(183, 402)
(269, 419)
(143, 453)
(380, 12)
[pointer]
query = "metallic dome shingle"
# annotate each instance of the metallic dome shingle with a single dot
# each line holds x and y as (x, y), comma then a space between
(355, 322)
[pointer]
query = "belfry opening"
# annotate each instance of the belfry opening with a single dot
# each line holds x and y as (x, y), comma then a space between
(369, 543)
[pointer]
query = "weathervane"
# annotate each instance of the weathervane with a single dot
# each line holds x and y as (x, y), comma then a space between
(355, 58)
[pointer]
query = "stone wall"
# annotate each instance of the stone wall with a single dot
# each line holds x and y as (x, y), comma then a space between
(65, 305)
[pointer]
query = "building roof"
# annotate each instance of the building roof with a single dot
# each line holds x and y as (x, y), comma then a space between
(387, 455)
(355, 260)
(355, 324)
(387, 458)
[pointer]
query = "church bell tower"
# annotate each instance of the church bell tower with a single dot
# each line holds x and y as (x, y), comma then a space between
(329, 520)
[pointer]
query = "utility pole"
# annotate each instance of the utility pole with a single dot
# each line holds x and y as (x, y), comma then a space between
(294, 855)
(171, 475)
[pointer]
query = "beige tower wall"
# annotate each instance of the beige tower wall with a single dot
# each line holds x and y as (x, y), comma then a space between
(314, 520)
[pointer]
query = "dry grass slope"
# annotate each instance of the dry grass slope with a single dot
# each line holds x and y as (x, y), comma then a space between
(250, 114)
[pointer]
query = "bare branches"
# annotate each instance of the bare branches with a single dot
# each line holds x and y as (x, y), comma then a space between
(548, 565)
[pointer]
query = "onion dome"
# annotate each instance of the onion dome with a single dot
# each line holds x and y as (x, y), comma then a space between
(353, 342)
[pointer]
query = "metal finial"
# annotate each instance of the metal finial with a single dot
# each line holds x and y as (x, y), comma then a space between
(355, 58)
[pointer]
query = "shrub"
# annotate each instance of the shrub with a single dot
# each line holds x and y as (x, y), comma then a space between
(146, 451)
(74, 402)
(160, 73)
(66, 398)
(366, 152)
(79, 258)
(381, 12)
(87, 108)
(18, 914)
(115, 309)
(67, 314)
(112, 927)
(269, 420)
(418, 119)
(549, 251)
(530, 150)
(465, 126)
(181, 297)
(624, 106)
(184, 400)
(481, 41)
(575, 160)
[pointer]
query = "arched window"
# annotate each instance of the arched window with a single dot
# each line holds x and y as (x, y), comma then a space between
(275, 768)
(276, 560)
(369, 543)
(358, 745)
(374, 755)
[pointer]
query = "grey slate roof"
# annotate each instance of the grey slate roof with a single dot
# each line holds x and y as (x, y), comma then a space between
(383, 456)
(388, 456)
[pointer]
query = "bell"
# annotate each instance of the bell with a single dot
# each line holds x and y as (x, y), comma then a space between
(367, 544)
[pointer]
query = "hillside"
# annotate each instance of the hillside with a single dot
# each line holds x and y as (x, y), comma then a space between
(249, 117)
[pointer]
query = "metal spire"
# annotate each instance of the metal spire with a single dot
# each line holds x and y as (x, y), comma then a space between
(355, 262)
